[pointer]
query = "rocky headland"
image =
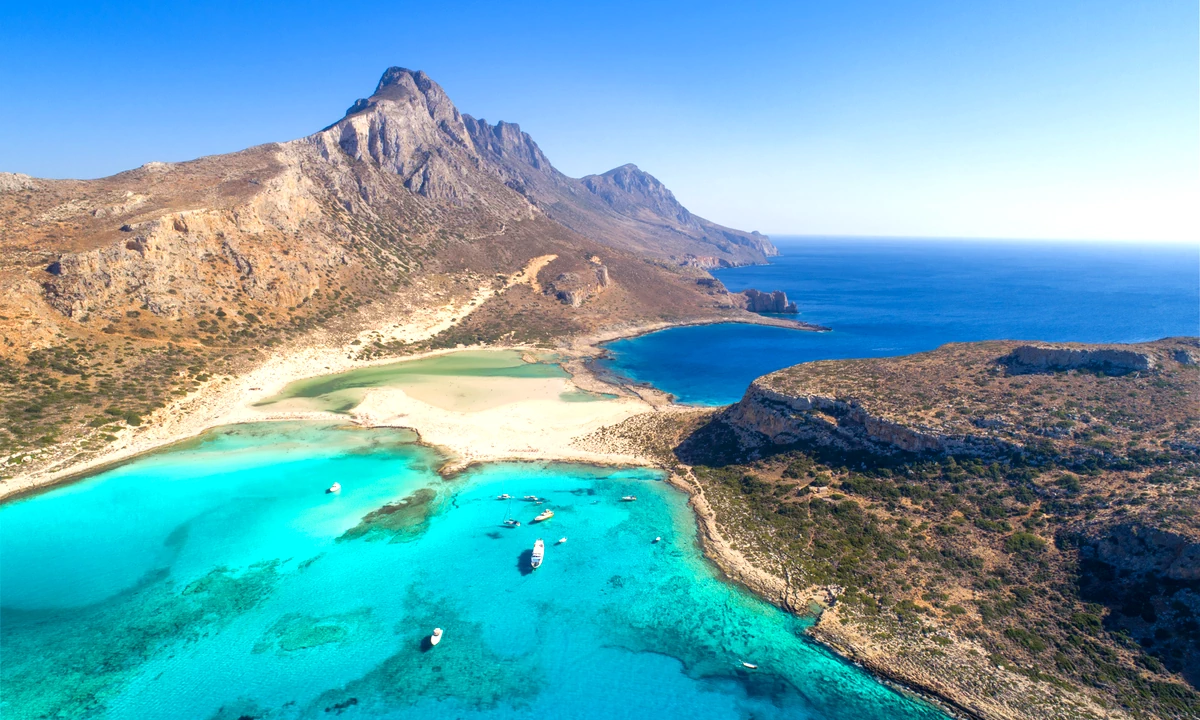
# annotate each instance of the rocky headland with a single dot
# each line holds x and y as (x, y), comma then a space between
(1010, 526)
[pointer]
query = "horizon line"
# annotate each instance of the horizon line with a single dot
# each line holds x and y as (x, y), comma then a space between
(989, 238)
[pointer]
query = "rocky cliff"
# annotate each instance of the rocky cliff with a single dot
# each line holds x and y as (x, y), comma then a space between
(951, 400)
(1149, 578)
(772, 302)
(1035, 358)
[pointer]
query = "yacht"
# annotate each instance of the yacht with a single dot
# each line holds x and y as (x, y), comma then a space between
(436, 637)
(512, 523)
(546, 515)
(751, 666)
(628, 498)
(336, 487)
(539, 552)
(505, 496)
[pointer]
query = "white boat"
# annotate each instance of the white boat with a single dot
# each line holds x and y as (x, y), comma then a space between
(531, 498)
(628, 498)
(505, 496)
(336, 487)
(752, 666)
(546, 515)
(512, 523)
(436, 637)
(562, 540)
(657, 539)
(539, 552)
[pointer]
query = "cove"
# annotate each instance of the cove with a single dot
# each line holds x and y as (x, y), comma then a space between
(219, 580)
(885, 297)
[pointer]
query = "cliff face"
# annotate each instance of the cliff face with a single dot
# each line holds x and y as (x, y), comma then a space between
(765, 416)
(1035, 358)
(772, 302)
(956, 399)
(1150, 581)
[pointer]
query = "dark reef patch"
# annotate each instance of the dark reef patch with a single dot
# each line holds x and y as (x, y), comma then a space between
(397, 522)
(119, 635)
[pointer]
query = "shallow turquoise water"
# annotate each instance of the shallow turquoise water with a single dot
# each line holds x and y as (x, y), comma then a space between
(341, 392)
(218, 580)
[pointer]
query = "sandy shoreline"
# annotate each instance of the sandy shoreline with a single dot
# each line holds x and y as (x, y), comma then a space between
(535, 426)
(228, 400)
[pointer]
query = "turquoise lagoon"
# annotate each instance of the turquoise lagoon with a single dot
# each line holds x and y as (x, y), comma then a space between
(219, 580)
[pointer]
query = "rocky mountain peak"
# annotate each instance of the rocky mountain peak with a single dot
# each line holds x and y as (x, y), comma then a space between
(628, 188)
(507, 142)
(408, 126)
(396, 75)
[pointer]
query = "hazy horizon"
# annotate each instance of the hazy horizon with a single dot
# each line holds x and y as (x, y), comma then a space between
(993, 121)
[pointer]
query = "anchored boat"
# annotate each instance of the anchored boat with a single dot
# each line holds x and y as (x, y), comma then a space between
(436, 637)
(505, 496)
(512, 523)
(546, 515)
(628, 498)
(539, 552)
(336, 487)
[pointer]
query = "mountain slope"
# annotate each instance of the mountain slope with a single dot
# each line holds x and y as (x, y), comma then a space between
(119, 292)
(625, 207)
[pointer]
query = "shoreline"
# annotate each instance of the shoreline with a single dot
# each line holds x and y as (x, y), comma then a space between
(229, 399)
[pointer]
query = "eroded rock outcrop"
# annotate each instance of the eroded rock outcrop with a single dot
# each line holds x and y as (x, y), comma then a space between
(765, 416)
(1034, 358)
(1149, 579)
(772, 302)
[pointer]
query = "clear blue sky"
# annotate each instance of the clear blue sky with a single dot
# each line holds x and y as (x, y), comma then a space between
(1008, 118)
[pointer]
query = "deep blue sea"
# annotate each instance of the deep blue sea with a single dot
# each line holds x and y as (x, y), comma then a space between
(897, 296)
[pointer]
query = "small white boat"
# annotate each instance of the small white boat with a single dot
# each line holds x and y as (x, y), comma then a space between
(562, 540)
(657, 539)
(505, 496)
(531, 498)
(512, 523)
(539, 553)
(628, 498)
(334, 488)
(752, 666)
(546, 515)
(436, 637)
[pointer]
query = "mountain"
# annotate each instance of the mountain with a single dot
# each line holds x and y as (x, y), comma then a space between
(624, 206)
(127, 290)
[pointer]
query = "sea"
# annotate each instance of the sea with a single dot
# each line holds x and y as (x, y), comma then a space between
(218, 579)
(892, 296)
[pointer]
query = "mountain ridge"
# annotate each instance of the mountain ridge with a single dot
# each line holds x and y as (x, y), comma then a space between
(120, 293)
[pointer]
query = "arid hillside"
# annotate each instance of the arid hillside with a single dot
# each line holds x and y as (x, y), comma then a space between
(119, 294)
(1013, 526)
